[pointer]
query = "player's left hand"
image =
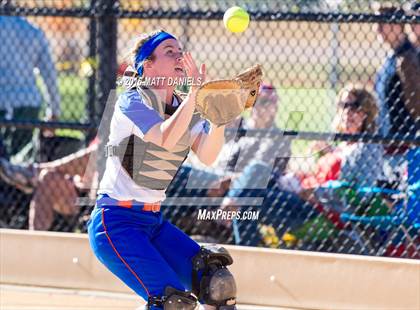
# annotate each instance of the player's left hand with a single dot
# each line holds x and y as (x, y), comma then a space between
(222, 101)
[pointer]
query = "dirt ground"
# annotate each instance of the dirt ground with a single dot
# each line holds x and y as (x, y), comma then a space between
(13, 297)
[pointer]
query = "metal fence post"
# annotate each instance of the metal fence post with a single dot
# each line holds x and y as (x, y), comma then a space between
(106, 52)
(91, 94)
(107, 66)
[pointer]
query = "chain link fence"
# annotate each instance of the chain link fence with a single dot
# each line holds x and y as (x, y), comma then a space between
(327, 160)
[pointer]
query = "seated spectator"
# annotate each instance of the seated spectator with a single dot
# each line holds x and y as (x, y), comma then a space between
(355, 163)
(293, 199)
(54, 185)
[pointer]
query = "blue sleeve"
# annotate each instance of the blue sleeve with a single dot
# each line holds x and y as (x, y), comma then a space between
(206, 126)
(143, 116)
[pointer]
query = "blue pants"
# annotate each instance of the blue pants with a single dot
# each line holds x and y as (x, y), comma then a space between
(142, 249)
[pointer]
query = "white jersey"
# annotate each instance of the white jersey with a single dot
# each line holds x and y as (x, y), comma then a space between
(132, 116)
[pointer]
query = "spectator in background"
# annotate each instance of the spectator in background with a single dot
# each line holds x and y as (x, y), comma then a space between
(398, 90)
(24, 50)
(413, 155)
(294, 198)
(352, 164)
(357, 163)
(398, 80)
(54, 185)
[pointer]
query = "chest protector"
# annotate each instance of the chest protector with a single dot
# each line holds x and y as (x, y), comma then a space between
(147, 164)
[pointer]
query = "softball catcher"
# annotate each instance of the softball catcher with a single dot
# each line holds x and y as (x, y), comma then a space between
(152, 130)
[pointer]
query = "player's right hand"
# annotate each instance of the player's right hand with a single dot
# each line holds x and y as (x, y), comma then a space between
(198, 75)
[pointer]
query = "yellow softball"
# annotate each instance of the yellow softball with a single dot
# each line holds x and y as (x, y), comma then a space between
(236, 19)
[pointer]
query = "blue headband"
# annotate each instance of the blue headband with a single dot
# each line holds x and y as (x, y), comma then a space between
(147, 49)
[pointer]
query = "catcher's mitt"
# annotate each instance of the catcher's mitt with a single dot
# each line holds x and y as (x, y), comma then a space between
(251, 80)
(221, 101)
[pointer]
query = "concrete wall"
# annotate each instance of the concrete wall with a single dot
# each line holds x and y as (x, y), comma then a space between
(264, 276)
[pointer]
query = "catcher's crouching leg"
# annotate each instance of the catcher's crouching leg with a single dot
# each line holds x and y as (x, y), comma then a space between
(173, 300)
(217, 286)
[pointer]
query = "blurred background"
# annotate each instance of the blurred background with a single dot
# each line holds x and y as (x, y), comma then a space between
(333, 137)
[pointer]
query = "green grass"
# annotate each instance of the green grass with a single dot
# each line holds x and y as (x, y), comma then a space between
(305, 110)
(73, 92)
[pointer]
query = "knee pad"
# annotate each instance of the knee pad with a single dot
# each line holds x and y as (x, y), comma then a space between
(174, 300)
(217, 286)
